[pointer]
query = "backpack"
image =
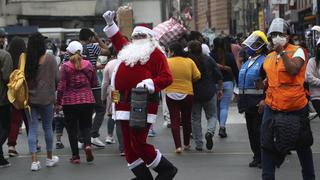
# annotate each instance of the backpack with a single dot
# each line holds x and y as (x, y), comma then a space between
(18, 93)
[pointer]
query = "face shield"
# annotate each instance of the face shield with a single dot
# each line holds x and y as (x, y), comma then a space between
(254, 42)
(278, 25)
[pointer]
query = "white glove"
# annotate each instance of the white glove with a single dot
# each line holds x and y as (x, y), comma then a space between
(108, 17)
(147, 83)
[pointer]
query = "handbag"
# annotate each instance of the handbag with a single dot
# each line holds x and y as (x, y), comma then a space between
(139, 108)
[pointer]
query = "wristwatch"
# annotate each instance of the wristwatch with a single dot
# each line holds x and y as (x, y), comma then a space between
(282, 53)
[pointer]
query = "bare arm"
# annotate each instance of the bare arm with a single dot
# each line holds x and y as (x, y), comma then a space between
(293, 65)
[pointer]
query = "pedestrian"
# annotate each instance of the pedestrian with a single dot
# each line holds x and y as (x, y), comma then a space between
(143, 64)
(5, 106)
(93, 47)
(313, 78)
(2, 39)
(205, 95)
(42, 77)
(197, 36)
(285, 124)
(77, 100)
(106, 98)
(16, 47)
(179, 95)
(230, 72)
(251, 93)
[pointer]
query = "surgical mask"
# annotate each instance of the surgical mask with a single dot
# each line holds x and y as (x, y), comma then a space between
(250, 52)
(279, 40)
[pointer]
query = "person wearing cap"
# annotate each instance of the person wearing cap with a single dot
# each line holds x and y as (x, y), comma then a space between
(76, 99)
(2, 39)
(143, 64)
(286, 105)
(251, 96)
(42, 75)
(313, 78)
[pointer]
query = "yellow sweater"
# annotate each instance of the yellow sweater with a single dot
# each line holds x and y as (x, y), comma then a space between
(184, 72)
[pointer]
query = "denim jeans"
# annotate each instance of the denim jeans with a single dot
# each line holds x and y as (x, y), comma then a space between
(268, 163)
(224, 102)
(46, 114)
(210, 110)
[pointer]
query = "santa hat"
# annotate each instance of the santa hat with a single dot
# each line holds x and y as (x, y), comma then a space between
(143, 30)
(75, 46)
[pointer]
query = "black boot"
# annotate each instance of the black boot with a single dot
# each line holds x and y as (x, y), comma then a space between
(142, 173)
(165, 170)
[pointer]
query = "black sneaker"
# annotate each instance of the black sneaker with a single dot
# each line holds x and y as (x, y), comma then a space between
(255, 163)
(13, 153)
(199, 149)
(4, 163)
(209, 144)
(59, 145)
(222, 132)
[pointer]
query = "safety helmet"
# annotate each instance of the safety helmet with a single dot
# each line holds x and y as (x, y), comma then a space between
(278, 25)
(256, 40)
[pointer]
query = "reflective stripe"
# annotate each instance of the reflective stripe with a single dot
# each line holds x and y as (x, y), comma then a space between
(251, 91)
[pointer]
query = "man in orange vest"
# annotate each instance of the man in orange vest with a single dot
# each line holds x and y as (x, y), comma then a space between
(286, 101)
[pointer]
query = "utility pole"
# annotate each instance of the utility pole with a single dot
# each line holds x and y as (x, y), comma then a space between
(281, 10)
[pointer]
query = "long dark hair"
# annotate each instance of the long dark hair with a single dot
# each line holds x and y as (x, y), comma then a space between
(16, 47)
(219, 50)
(195, 53)
(35, 49)
(177, 49)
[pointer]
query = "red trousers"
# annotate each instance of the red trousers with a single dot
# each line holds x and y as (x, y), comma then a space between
(180, 111)
(136, 146)
(17, 116)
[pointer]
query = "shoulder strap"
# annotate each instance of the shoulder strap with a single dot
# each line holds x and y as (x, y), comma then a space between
(22, 61)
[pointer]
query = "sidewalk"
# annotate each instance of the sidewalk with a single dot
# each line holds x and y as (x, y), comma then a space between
(228, 160)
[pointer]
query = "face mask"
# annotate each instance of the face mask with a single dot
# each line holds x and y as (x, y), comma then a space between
(250, 52)
(279, 41)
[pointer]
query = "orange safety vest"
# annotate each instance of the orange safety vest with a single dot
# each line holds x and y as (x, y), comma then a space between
(285, 92)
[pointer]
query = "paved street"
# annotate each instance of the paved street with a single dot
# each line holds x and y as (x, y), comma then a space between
(229, 159)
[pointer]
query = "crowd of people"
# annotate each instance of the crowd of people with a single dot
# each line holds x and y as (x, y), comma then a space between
(78, 90)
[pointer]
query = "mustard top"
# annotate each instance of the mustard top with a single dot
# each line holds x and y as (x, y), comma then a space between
(184, 72)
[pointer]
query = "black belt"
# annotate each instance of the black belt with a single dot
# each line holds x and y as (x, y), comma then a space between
(126, 97)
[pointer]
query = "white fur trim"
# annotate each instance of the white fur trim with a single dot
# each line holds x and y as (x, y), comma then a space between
(135, 163)
(156, 161)
(111, 30)
(144, 30)
(125, 115)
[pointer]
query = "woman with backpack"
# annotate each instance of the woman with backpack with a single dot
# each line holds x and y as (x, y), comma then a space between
(16, 47)
(76, 99)
(42, 76)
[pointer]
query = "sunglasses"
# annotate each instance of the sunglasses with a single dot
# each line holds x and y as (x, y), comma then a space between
(139, 36)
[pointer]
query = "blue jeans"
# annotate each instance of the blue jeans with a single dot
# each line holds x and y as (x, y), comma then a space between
(46, 114)
(224, 102)
(268, 163)
(210, 110)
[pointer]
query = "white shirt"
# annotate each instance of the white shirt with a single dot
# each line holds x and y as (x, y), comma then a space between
(298, 54)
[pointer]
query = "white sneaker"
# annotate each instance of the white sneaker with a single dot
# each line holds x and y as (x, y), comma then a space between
(97, 142)
(110, 140)
(35, 166)
(80, 145)
(52, 162)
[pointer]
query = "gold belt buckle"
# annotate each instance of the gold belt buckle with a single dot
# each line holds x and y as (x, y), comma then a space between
(115, 96)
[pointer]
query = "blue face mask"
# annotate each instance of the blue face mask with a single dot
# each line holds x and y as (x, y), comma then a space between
(250, 52)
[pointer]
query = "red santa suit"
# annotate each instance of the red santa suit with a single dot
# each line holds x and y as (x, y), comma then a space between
(138, 67)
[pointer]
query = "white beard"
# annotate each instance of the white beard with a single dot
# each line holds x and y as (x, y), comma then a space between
(137, 51)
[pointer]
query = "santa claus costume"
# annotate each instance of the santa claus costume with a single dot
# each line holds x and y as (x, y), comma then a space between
(142, 64)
